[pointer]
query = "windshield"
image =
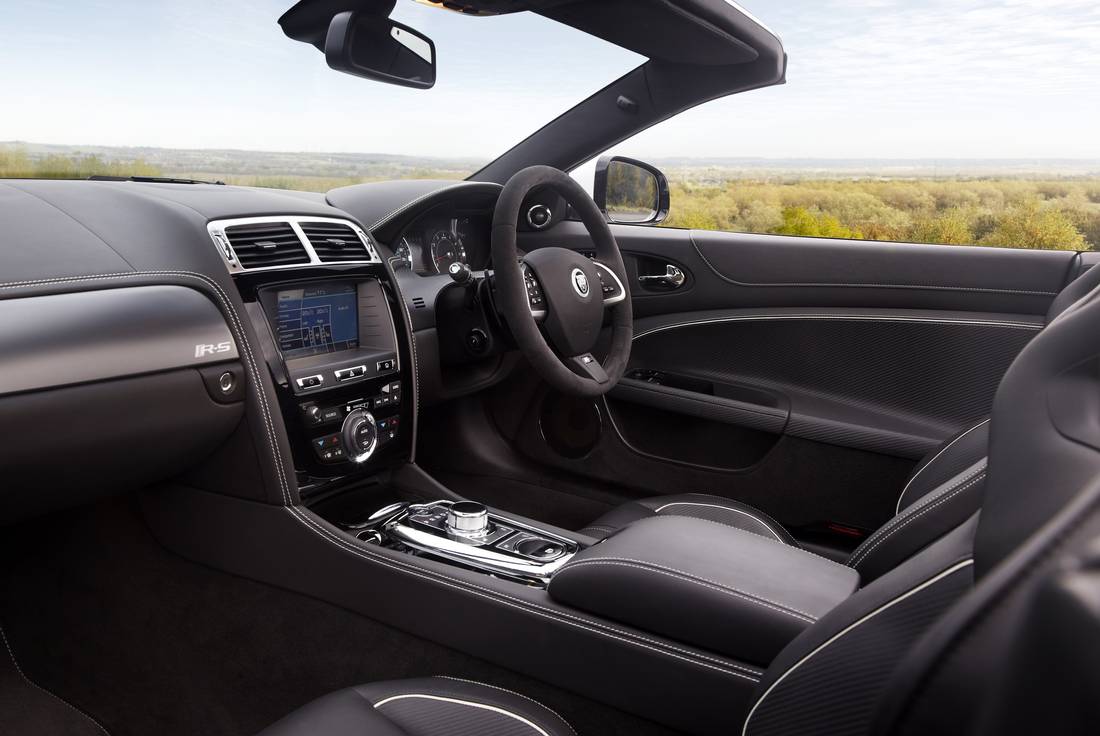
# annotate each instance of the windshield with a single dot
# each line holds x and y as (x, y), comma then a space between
(213, 90)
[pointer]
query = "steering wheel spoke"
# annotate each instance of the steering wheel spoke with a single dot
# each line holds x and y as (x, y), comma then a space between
(610, 284)
(587, 365)
(536, 299)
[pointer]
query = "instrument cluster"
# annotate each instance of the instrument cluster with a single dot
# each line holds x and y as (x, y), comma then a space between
(442, 236)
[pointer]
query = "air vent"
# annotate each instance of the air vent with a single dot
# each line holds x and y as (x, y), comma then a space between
(419, 303)
(266, 244)
(335, 242)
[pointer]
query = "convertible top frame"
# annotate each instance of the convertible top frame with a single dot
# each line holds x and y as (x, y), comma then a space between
(697, 51)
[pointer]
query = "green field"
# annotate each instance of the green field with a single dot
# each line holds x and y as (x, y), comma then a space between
(1061, 214)
(1016, 211)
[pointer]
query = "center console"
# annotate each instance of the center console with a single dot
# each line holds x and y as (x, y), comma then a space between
(467, 534)
(334, 341)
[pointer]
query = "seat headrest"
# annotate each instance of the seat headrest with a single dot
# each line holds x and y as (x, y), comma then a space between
(1044, 445)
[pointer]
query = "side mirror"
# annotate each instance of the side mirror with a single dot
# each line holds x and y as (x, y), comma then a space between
(381, 49)
(630, 191)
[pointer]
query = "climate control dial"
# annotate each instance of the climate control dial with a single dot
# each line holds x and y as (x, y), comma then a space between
(359, 435)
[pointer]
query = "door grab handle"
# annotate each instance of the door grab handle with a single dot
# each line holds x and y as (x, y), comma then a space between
(672, 278)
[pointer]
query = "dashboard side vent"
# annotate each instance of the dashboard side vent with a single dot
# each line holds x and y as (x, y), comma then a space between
(265, 244)
(335, 242)
(419, 303)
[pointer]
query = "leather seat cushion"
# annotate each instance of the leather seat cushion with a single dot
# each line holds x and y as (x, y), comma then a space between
(430, 706)
(697, 506)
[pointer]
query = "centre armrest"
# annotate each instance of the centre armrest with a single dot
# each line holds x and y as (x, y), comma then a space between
(706, 584)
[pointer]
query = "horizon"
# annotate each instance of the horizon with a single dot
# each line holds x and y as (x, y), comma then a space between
(73, 148)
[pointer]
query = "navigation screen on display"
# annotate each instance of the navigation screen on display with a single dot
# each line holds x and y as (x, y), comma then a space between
(317, 319)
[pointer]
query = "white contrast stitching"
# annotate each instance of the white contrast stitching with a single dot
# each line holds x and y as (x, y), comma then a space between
(912, 591)
(923, 510)
(945, 448)
(696, 579)
(510, 692)
(409, 205)
(723, 508)
(950, 485)
(979, 289)
(470, 703)
(836, 318)
(804, 551)
(324, 534)
(235, 322)
(529, 607)
(32, 683)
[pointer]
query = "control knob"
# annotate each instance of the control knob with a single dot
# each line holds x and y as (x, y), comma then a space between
(359, 435)
(468, 519)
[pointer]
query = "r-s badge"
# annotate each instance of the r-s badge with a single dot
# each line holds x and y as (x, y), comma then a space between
(213, 348)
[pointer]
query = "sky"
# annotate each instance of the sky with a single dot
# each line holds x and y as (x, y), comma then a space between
(866, 79)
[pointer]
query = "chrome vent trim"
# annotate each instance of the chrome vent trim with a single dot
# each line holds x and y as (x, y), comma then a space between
(217, 228)
(335, 242)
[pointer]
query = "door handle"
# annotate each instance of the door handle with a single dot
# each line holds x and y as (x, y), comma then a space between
(672, 278)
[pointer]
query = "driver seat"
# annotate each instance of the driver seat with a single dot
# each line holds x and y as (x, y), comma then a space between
(944, 489)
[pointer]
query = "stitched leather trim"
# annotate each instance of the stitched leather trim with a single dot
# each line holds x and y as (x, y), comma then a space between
(695, 580)
(468, 703)
(859, 285)
(250, 364)
(36, 686)
(593, 626)
(753, 517)
(409, 205)
(235, 326)
(925, 466)
(961, 565)
(836, 318)
(860, 555)
(549, 710)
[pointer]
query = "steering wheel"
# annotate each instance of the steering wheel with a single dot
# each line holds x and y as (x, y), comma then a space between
(562, 291)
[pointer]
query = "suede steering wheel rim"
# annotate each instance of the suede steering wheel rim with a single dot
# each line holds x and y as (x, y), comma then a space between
(574, 311)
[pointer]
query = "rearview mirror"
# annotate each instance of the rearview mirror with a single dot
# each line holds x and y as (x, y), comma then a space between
(630, 191)
(381, 49)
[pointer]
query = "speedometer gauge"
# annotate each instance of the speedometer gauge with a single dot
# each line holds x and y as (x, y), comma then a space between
(447, 248)
(402, 254)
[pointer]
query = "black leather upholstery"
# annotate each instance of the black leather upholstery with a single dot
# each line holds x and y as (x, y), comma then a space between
(953, 457)
(720, 588)
(923, 650)
(943, 491)
(696, 505)
(430, 706)
(921, 523)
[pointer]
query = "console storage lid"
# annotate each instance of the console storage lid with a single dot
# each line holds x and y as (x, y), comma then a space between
(705, 584)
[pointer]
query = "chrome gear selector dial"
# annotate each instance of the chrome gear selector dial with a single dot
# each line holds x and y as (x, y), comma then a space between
(359, 435)
(468, 519)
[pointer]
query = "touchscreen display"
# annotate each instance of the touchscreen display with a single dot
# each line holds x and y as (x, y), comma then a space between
(317, 319)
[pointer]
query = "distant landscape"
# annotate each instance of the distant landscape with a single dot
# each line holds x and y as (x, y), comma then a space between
(1053, 204)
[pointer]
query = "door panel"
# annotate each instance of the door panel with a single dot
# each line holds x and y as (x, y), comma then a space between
(735, 270)
(889, 381)
(801, 375)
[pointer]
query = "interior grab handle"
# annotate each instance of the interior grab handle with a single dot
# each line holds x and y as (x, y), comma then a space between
(672, 278)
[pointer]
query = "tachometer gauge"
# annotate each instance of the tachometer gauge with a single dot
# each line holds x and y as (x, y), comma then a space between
(446, 249)
(402, 254)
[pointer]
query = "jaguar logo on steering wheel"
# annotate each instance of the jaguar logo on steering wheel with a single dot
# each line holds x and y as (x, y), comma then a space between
(580, 282)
